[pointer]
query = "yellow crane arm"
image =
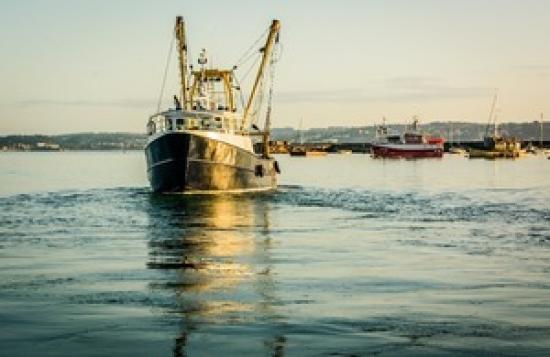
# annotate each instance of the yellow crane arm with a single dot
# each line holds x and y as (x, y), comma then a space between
(267, 51)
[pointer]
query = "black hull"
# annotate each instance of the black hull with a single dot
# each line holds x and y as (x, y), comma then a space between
(182, 162)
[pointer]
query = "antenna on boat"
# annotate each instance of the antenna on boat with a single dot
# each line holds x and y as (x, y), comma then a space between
(182, 51)
(414, 125)
(382, 129)
(267, 51)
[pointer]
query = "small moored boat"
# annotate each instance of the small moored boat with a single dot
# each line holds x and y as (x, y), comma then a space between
(411, 144)
(495, 145)
(303, 150)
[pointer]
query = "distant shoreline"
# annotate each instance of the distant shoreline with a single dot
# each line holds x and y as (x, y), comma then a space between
(71, 150)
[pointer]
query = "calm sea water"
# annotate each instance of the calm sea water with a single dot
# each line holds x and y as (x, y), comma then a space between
(352, 256)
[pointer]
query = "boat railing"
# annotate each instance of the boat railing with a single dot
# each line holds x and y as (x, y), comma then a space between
(178, 121)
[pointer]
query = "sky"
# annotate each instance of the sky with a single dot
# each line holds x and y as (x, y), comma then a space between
(97, 66)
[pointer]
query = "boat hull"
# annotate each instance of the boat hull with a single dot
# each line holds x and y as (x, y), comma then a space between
(495, 154)
(308, 153)
(407, 151)
(184, 162)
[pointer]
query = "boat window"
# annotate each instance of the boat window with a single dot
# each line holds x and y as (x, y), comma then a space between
(259, 170)
(168, 124)
(413, 138)
(180, 124)
(394, 139)
(160, 124)
(192, 124)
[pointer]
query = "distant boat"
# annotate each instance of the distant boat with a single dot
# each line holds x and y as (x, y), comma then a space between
(204, 144)
(411, 144)
(495, 145)
(498, 147)
(278, 147)
(303, 150)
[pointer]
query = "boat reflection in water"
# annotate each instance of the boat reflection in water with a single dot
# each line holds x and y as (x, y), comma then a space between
(213, 254)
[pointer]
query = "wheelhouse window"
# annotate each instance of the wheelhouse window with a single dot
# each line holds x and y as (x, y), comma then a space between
(394, 139)
(191, 121)
(160, 124)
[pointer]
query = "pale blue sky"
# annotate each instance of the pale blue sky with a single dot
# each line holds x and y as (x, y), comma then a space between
(69, 65)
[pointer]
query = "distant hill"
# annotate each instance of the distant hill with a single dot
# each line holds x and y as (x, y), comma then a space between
(79, 141)
(455, 131)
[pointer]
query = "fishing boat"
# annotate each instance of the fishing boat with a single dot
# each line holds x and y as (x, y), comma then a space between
(299, 148)
(205, 143)
(496, 145)
(411, 144)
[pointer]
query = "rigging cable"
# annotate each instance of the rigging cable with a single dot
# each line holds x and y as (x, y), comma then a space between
(257, 104)
(244, 61)
(168, 59)
(243, 78)
(239, 89)
(246, 53)
(189, 68)
(275, 57)
(250, 68)
(267, 125)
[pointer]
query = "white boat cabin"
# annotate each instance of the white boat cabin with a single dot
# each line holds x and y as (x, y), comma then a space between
(182, 120)
(208, 104)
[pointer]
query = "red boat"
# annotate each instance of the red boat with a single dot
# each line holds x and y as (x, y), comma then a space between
(412, 144)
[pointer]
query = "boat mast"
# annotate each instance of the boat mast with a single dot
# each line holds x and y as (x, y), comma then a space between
(267, 50)
(300, 134)
(491, 117)
(541, 130)
(182, 51)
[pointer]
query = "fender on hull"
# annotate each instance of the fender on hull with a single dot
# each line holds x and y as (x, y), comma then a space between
(182, 162)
